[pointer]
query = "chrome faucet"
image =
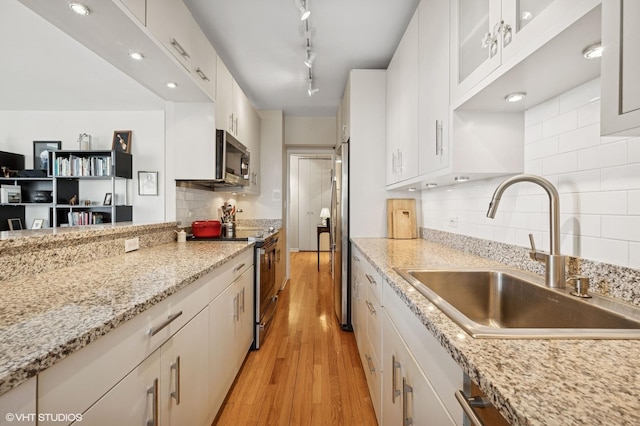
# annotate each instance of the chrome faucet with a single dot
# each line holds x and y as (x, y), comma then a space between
(554, 275)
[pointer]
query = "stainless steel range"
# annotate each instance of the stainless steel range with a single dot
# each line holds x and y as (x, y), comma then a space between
(266, 291)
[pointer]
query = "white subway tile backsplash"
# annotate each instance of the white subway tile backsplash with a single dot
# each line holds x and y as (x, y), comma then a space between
(621, 178)
(633, 150)
(589, 114)
(575, 224)
(634, 202)
(587, 181)
(582, 95)
(544, 111)
(541, 148)
(581, 138)
(532, 133)
(560, 124)
(599, 203)
(634, 255)
(561, 163)
(603, 156)
(621, 227)
(604, 250)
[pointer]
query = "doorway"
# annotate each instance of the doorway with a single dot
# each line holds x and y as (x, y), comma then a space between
(310, 187)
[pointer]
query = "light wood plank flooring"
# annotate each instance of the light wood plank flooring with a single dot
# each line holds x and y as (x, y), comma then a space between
(308, 372)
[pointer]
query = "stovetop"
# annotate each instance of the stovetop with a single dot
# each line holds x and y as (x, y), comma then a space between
(257, 235)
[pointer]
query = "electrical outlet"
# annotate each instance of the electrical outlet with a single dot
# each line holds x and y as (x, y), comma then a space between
(453, 222)
(131, 244)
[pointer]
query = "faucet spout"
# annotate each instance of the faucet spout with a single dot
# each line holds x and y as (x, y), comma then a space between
(554, 273)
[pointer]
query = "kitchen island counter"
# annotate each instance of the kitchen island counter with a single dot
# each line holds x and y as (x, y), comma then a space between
(47, 316)
(531, 382)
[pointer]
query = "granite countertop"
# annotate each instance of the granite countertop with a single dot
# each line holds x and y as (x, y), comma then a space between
(531, 382)
(47, 316)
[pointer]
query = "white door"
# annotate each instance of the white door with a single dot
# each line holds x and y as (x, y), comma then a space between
(314, 193)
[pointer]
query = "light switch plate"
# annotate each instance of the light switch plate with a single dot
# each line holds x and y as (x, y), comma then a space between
(131, 244)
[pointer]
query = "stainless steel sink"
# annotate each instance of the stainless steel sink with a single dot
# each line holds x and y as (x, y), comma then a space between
(510, 304)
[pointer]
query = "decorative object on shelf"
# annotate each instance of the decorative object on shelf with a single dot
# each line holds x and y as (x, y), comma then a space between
(73, 200)
(15, 224)
(37, 223)
(7, 172)
(41, 151)
(122, 141)
(107, 199)
(147, 183)
(84, 142)
(10, 194)
(87, 202)
(42, 196)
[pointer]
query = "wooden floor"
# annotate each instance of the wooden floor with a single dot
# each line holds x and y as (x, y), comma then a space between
(308, 372)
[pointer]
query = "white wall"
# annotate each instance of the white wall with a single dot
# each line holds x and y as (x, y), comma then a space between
(21, 128)
(598, 179)
(310, 131)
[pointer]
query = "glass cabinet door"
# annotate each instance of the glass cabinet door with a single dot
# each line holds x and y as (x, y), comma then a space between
(473, 25)
(630, 56)
(528, 10)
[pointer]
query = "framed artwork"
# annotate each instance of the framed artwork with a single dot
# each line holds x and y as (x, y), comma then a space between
(15, 224)
(148, 183)
(37, 223)
(41, 150)
(122, 141)
(107, 199)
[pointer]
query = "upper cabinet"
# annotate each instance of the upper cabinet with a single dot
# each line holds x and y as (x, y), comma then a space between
(172, 24)
(492, 37)
(620, 64)
(402, 108)
(138, 8)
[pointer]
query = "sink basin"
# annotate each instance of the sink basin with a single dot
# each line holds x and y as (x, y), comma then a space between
(511, 304)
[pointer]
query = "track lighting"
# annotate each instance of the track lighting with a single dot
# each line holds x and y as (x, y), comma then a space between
(304, 12)
(311, 90)
(311, 56)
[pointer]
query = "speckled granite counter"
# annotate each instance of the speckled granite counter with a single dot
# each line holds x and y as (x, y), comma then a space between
(532, 382)
(45, 317)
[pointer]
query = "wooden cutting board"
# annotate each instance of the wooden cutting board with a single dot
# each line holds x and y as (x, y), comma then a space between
(401, 218)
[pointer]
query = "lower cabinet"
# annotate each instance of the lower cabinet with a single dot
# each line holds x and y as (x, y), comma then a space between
(19, 404)
(407, 396)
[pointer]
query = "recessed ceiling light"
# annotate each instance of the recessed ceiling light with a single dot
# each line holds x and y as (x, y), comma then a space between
(172, 85)
(461, 178)
(79, 8)
(411, 189)
(431, 185)
(136, 56)
(515, 97)
(526, 15)
(593, 51)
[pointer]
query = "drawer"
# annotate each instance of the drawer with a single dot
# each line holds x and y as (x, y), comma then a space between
(374, 323)
(373, 374)
(368, 273)
(74, 383)
(229, 272)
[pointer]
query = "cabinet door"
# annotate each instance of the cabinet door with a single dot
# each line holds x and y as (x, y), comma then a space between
(224, 88)
(205, 61)
(253, 143)
(243, 115)
(170, 22)
(246, 323)
(138, 8)
(184, 389)
(21, 403)
(407, 394)
(223, 312)
(133, 401)
(433, 86)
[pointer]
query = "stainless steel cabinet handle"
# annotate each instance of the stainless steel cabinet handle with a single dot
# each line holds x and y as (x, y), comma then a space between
(242, 299)
(231, 122)
(179, 48)
(201, 74)
(155, 330)
(507, 35)
(406, 420)
(372, 368)
(237, 268)
(395, 366)
(236, 307)
(466, 407)
(371, 279)
(372, 310)
(393, 163)
(176, 393)
(356, 258)
(439, 144)
(153, 391)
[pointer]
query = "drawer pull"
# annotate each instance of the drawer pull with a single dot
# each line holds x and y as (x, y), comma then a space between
(372, 368)
(395, 393)
(153, 391)
(201, 74)
(406, 420)
(155, 330)
(372, 310)
(179, 48)
(371, 279)
(356, 258)
(176, 393)
(240, 266)
(466, 404)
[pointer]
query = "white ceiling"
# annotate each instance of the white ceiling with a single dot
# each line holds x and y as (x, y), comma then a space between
(262, 44)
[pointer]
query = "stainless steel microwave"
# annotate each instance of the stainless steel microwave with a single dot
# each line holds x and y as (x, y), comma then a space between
(232, 160)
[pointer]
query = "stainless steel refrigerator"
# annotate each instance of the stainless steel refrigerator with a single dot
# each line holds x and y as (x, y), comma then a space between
(339, 227)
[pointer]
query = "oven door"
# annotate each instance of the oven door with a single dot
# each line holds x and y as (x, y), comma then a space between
(266, 291)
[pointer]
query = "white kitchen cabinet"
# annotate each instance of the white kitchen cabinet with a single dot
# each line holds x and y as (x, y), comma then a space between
(486, 35)
(408, 396)
(345, 114)
(433, 85)
(19, 402)
(231, 326)
(224, 98)
(138, 8)
(620, 108)
(253, 144)
(402, 107)
(172, 24)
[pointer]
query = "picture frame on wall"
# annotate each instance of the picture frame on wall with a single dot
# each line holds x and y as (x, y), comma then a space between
(147, 183)
(122, 141)
(41, 150)
(107, 199)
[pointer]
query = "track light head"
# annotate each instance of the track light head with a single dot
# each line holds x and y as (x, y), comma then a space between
(311, 56)
(311, 90)
(304, 12)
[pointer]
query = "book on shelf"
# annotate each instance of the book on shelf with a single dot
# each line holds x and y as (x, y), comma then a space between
(84, 218)
(82, 166)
